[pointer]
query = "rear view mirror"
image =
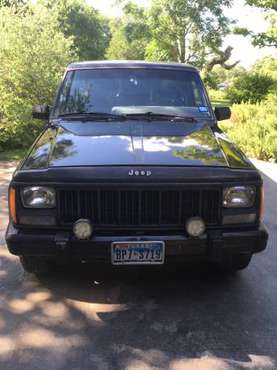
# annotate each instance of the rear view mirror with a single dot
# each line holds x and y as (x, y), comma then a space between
(222, 113)
(41, 111)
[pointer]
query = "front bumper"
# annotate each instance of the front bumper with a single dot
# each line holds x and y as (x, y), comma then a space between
(60, 244)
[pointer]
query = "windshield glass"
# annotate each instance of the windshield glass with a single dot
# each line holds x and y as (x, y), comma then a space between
(127, 91)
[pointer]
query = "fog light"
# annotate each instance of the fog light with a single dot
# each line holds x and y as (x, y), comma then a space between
(195, 226)
(82, 229)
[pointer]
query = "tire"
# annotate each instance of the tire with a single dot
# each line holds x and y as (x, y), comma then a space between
(35, 265)
(234, 262)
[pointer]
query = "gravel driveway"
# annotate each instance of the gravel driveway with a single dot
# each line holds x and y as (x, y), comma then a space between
(177, 321)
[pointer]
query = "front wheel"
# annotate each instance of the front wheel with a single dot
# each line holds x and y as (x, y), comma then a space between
(234, 262)
(35, 265)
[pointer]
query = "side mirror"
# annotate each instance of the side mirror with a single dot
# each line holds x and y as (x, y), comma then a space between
(41, 111)
(222, 113)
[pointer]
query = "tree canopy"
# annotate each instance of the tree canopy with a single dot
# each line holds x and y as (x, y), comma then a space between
(177, 30)
(269, 37)
(186, 31)
(130, 34)
(266, 4)
(88, 29)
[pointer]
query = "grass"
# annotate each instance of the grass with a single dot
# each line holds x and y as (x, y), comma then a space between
(12, 155)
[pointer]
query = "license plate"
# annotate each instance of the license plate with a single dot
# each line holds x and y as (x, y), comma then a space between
(137, 253)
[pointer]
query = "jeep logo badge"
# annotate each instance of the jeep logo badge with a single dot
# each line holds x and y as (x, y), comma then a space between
(140, 173)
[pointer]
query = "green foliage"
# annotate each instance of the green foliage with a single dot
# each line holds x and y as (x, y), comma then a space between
(218, 98)
(14, 3)
(12, 155)
(219, 75)
(178, 30)
(38, 39)
(262, 39)
(130, 34)
(268, 66)
(89, 30)
(254, 128)
(269, 37)
(226, 75)
(186, 31)
(250, 87)
(33, 54)
(266, 4)
(211, 79)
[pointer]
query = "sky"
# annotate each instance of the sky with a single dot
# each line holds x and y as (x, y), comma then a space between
(246, 16)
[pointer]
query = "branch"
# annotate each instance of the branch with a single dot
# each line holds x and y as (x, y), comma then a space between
(221, 59)
(230, 66)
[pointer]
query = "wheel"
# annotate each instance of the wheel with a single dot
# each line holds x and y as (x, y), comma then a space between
(35, 265)
(234, 262)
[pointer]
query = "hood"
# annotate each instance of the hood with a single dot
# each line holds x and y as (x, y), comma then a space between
(130, 143)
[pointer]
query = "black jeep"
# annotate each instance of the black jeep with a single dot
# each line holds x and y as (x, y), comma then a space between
(132, 169)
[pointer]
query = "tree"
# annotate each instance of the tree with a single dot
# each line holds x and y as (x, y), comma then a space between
(187, 31)
(33, 55)
(266, 4)
(88, 29)
(177, 30)
(221, 59)
(269, 37)
(130, 34)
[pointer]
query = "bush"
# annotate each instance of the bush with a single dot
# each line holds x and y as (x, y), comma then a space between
(33, 55)
(251, 87)
(254, 128)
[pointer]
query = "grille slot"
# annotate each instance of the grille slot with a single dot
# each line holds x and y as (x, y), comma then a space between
(139, 207)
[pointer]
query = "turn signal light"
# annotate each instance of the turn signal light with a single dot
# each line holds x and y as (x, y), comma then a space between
(12, 205)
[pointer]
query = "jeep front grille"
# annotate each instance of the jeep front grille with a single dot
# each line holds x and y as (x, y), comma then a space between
(138, 207)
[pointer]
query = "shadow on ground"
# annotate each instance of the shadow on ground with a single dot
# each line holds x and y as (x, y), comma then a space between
(193, 318)
(83, 319)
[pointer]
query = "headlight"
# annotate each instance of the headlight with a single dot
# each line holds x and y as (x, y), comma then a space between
(38, 197)
(239, 197)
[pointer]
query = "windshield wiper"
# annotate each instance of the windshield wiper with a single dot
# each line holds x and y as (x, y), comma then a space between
(150, 116)
(160, 116)
(84, 116)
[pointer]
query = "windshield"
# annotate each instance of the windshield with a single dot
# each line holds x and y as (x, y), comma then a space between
(127, 91)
